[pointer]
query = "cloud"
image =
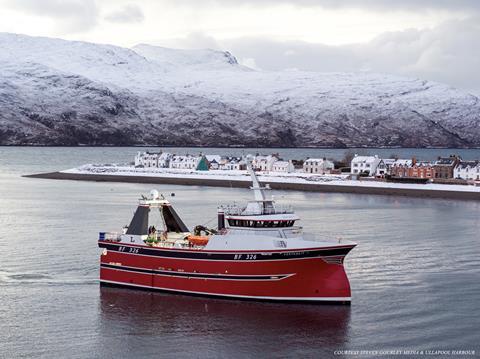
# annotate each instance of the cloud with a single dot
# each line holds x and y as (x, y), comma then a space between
(194, 40)
(269, 54)
(370, 5)
(447, 53)
(128, 14)
(70, 16)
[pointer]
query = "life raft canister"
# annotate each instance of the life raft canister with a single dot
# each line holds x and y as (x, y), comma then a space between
(198, 240)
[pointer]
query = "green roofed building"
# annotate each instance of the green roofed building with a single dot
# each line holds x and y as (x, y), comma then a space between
(202, 164)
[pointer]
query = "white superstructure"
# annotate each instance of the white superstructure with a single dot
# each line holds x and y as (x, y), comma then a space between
(261, 224)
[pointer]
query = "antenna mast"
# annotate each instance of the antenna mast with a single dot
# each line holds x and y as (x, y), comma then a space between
(257, 189)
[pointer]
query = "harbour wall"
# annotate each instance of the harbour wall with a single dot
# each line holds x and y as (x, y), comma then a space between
(310, 187)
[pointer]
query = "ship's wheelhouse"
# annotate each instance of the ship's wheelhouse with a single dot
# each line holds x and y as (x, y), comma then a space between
(259, 214)
(260, 223)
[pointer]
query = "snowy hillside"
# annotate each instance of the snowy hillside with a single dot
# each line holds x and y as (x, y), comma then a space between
(172, 59)
(65, 93)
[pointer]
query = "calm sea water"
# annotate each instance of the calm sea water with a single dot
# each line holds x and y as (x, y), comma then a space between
(415, 274)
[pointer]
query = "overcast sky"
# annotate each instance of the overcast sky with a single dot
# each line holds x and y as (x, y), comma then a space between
(431, 39)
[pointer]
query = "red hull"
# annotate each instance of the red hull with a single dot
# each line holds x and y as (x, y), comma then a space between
(290, 279)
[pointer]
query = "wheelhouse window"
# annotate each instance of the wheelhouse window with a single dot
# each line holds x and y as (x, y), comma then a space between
(260, 224)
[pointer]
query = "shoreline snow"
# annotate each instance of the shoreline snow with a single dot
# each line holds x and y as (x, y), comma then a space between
(271, 177)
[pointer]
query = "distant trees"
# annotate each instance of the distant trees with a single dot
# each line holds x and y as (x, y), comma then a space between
(348, 157)
(344, 163)
(298, 163)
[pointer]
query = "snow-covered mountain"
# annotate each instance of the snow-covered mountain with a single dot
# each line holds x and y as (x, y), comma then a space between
(57, 92)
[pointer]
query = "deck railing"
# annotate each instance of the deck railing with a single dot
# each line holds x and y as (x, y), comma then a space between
(109, 236)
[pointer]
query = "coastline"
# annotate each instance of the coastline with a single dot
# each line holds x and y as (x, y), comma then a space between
(240, 147)
(358, 188)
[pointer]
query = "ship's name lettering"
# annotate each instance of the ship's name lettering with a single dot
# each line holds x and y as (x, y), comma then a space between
(246, 257)
(128, 249)
(293, 253)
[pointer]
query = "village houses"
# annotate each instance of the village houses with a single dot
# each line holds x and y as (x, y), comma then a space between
(383, 168)
(400, 168)
(283, 166)
(214, 161)
(318, 166)
(169, 160)
(233, 163)
(364, 165)
(264, 163)
(467, 170)
(189, 162)
(153, 159)
(421, 169)
(444, 166)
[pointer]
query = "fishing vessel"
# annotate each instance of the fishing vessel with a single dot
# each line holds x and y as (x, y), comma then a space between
(257, 251)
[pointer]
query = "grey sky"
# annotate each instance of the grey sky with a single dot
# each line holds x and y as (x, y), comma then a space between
(432, 39)
(371, 5)
(70, 16)
(128, 14)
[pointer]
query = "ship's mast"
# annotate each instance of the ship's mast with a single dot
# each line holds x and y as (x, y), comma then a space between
(257, 189)
(263, 204)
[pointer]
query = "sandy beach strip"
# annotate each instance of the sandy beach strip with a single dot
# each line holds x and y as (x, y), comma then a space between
(360, 188)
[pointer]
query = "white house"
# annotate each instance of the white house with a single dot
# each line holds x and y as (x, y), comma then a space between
(318, 165)
(214, 161)
(264, 163)
(365, 164)
(213, 164)
(147, 159)
(139, 159)
(163, 160)
(187, 162)
(384, 166)
(153, 159)
(233, 163)
(468, 170)
(283, 166)
(211, 158)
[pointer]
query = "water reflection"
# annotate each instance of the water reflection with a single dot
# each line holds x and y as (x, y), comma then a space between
(221, 327)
